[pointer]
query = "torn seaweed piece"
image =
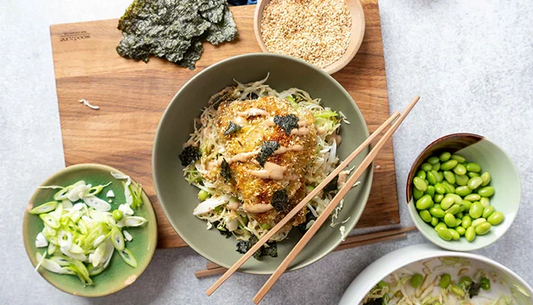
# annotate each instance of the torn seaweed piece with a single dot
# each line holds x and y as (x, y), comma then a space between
(223, 31)
(225, 170)
(232, 128)
(222, 230)
(280, 200)
(268, 148)
(378, 301)
(270, 249)
(303, 226)
(244, 245)
(189, 155)
(287, 122)
(474, 289)
(331, 186)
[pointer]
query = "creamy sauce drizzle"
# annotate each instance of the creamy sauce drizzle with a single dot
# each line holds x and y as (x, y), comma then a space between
(269, 123)
(257, 208)
(270, 171)
(321, 130)
(243, 157)
(282, 149)
(252, 112)
(302, 131)
(240, 121)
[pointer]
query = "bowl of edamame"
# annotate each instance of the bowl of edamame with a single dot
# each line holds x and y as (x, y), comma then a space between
(463, 192)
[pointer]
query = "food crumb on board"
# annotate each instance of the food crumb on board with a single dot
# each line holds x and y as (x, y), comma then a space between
(86, 103)
(378, 166)
(317, 31)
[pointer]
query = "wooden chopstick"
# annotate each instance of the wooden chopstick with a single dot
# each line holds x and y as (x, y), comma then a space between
(299, 206)
(350, 242)
(332, 205)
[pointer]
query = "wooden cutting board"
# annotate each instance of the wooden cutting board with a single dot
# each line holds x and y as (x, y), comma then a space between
(133, 95)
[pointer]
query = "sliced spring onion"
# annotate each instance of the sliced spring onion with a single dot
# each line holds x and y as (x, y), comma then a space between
(49, 220)
(125, 209)
(40, 241)
(78, 189)
(93, 191)
(110, 194)
(62, 194)
(44, 208)
(97, 203)
(128, 257)
(127, 235)
(40, 258)
(98, 254)
(67, 204)
(117, 239)
(62, 261)
(132, 221)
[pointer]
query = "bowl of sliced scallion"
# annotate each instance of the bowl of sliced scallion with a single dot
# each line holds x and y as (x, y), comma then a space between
(90, 230)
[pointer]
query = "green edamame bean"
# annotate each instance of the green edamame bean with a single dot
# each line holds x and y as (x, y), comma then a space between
(473, 167)
(478, 221)
(417, 194)
(454, 209)
(460, 230)
(458, 291)
(425, 215)
(474, 183)
(445, 281)
(472, 174)
(458, 222)
(456, 197)
(382, 284)
(461, 208)
(438, 197)
(438, 176)
(434, 221)
(467, 222)
(431, 178)
(420, 184)
(459, 169)
(487, 191)
(463, 191)
(486, 178)
(496, 218)
(484, 201)
(460, 215)
(447, 202)
(117, 215)
(448, 188)
(440, 225)
(444, 234)
(483, 228)
(445, 156)
(430, 190)
(417, 280)
(487, 211)
(421, 174)
(436, 167)
(476, 210)
(426, 167)
(449, 176)
(439, 188)
(455, 235)
(437, 206)
(461, 179)
(203, 195)
(465, 281)
(446, 166)
(459, 158)
(472, 197)
(424, 203)
(436, 212)
(467, 204)
(470, 234)
(449, 220)
(485, 283)
(433, 160)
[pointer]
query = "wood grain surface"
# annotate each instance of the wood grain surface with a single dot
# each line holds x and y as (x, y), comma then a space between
(133, 95)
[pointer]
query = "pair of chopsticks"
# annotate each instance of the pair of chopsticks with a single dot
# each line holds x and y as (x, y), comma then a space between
(327, 211)
(350, 242)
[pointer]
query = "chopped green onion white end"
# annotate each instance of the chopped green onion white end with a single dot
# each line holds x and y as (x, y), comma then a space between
(81, 227)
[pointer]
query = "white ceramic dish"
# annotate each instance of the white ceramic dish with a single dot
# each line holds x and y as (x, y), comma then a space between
(395, 260)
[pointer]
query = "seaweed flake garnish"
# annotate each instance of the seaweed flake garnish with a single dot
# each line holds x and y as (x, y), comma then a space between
(174, 29)
(232, 128)
(473, 290)
(280, 200)
(268, 148)
(287, 122)
(189, 155)
(331, 186)
(225, 170)
(269, 249)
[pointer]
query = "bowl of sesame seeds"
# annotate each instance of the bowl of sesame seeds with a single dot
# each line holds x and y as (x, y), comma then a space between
(325, 33)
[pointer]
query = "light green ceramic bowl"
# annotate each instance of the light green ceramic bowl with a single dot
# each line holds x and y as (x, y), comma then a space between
(179, 199)
(118, 274)
(504, 178)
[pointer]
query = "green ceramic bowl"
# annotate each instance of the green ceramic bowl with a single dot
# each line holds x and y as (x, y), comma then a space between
(504, 178)
(179, 199)
(118, 274)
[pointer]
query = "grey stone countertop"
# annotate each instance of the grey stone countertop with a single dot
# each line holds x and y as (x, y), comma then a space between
(470, 61)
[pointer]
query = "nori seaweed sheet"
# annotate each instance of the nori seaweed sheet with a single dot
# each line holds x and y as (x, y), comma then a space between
(280, 200)
(232, 128)
(174, 29)
(189, 155)
(225, 170)
(267, 149)
(287, 122)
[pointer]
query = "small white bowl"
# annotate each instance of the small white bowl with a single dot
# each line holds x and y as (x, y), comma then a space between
(356, 35)
(395, 260)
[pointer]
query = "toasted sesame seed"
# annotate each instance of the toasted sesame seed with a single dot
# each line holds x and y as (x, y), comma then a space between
(317, 31)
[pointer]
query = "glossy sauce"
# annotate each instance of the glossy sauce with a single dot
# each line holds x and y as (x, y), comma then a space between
(270, 171)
